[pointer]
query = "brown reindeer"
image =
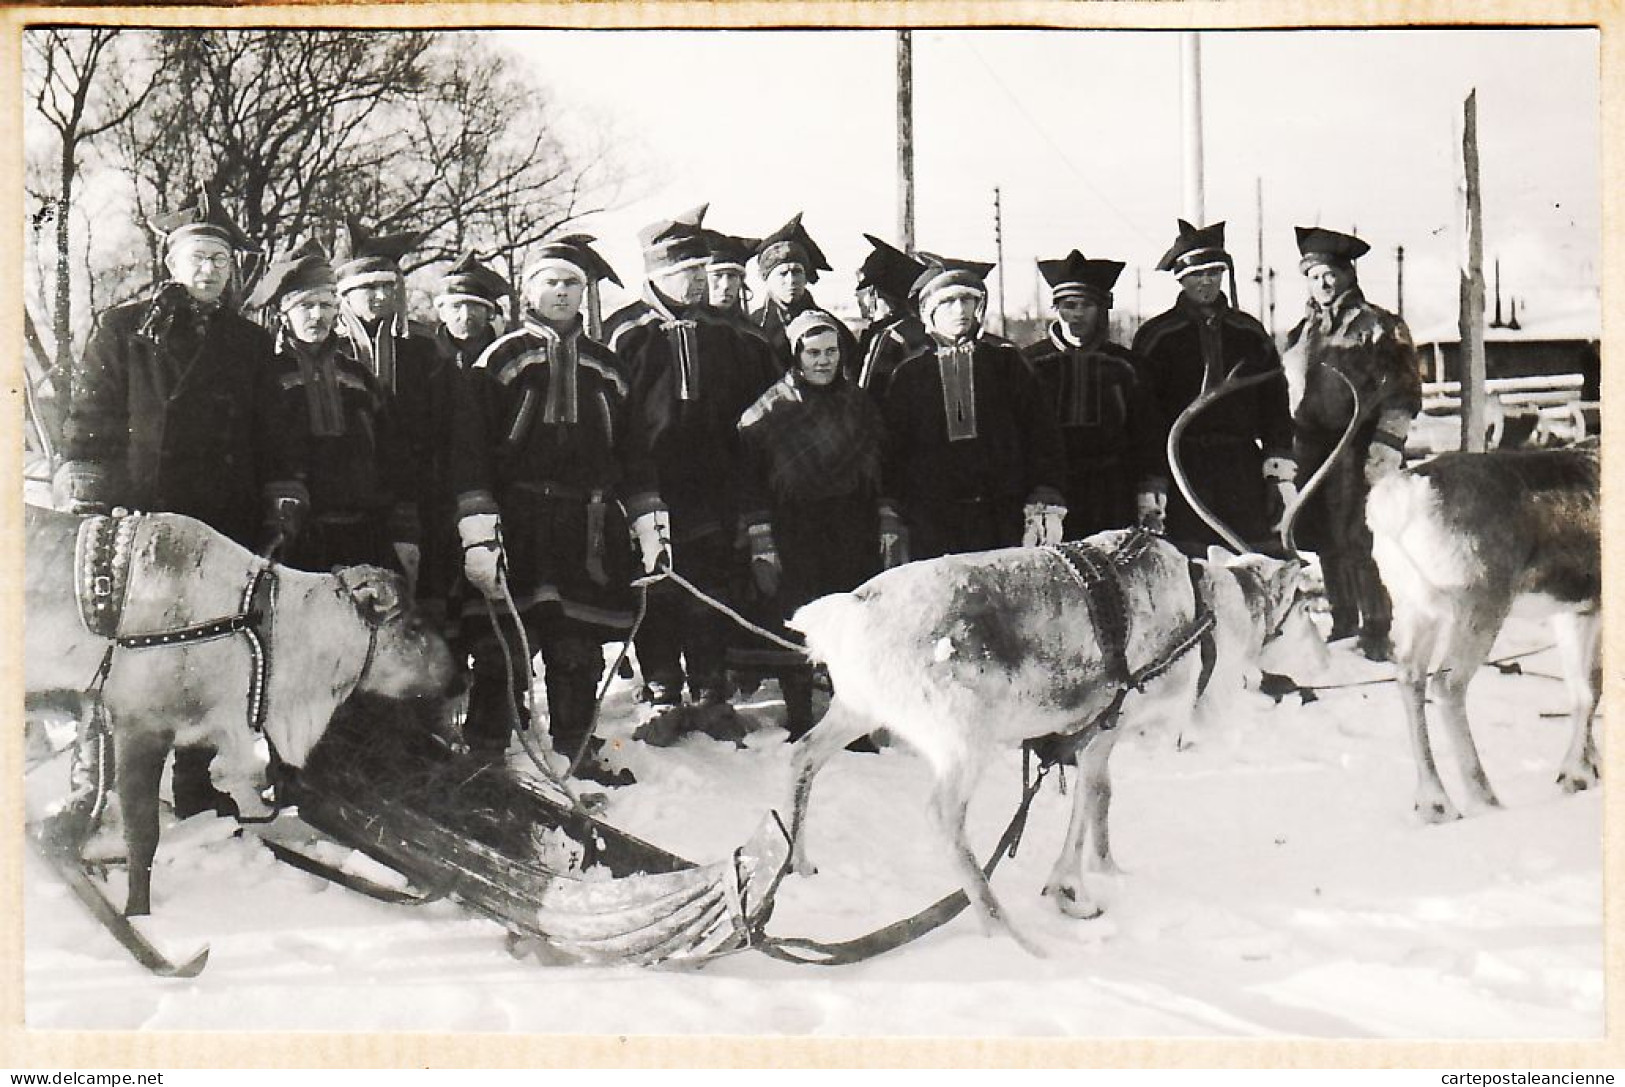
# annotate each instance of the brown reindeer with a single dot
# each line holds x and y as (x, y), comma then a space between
(1458, 539)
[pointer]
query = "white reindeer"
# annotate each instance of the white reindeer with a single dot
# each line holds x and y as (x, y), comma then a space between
(966, 654)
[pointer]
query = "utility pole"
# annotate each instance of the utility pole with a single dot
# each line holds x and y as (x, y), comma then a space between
(905, 139)
(1190, 83)
(1496, 321)
(1258, 276)
(998, 251)
(1271, 323)
(1470, 316)
(1399, 266)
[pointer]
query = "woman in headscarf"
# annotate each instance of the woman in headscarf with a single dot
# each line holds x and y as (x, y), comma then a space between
(812, 445)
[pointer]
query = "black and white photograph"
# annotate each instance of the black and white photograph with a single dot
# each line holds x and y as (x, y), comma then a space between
(812, 532)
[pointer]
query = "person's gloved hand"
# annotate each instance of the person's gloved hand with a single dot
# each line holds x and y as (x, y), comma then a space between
(652, 531)
(483, 559)
(893, 537)
(1042, 524)
(765, 567)
(287, 505)
(1382, 460)
(1151, 509)
(76, 487)
(1280, 488)
(1278, 497)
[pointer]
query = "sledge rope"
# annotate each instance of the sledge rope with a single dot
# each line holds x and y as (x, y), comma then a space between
(1497, 664)
(845, 952)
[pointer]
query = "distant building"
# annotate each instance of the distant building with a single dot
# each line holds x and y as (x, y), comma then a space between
(1542, 344)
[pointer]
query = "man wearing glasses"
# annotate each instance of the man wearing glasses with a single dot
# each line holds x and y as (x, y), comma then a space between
(169, 412)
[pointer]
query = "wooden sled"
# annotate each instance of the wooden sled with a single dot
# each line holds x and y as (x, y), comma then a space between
(568, 887)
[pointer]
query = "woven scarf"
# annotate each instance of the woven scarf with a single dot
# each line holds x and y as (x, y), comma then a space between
(319, 373)
(375, 350)
(176, 324)
(683, 337)
(563, 368)
(955, 364)
(818, 442)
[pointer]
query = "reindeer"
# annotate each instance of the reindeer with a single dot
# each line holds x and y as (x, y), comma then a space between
(1457, 540)
(962, 655)
(164, 679)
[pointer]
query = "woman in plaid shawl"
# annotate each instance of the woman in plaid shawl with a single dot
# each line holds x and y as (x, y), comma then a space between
(812, 445)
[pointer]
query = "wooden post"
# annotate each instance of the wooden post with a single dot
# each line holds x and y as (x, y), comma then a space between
(1470, 320)
(1258, 276)
(998, 251)
(905, 140)
(1190, 85)
(1399, 276)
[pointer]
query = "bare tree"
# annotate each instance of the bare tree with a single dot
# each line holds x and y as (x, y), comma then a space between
(490, 170)
(83, 85)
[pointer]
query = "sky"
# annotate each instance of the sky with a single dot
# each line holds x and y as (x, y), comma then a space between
(1079, 130)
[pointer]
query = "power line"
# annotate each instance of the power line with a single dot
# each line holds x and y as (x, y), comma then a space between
(1054, 146)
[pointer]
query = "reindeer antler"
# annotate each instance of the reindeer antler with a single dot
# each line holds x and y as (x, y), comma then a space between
(1232, 383)
(1290, 517)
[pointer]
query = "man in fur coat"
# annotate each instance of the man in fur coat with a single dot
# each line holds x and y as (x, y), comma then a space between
(1343, 334)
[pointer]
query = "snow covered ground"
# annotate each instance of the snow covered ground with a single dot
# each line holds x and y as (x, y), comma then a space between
(1275, 884)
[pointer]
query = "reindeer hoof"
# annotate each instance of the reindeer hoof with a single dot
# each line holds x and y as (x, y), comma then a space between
(1070, 902)
(1437, 811)
(1577, 782)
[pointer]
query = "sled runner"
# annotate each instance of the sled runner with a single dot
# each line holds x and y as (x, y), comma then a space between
(567, 886)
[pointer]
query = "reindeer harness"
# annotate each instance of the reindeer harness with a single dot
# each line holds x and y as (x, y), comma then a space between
(101, 563)
(1098, 573)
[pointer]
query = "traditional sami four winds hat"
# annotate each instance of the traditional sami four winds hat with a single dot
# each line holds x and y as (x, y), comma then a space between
(470, 281)
(943, 273)
(365, 257)
(1321, 246)
(728, 251)
(1076, 276)
(1195, 250)
(574, 253)
(201, 216)
(888, 269)
(791, 244)
(670, 245)
(305, 268)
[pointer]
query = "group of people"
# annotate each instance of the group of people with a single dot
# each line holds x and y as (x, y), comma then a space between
(530, 470)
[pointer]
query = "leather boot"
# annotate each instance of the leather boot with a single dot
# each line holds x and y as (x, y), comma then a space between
(1342, 595)
(798, 710)
(193, 788)
(90, 782)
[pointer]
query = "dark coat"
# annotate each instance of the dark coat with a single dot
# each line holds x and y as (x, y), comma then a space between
(774, 321)
(813, 473)
(967, 495)
(463, 355)
(884, 345)
(421, 406)
(685, 453)
(1373, 349)
(1187, 351)
(353, 476)
(1106, 407)
(172, 422)
(555, 483)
